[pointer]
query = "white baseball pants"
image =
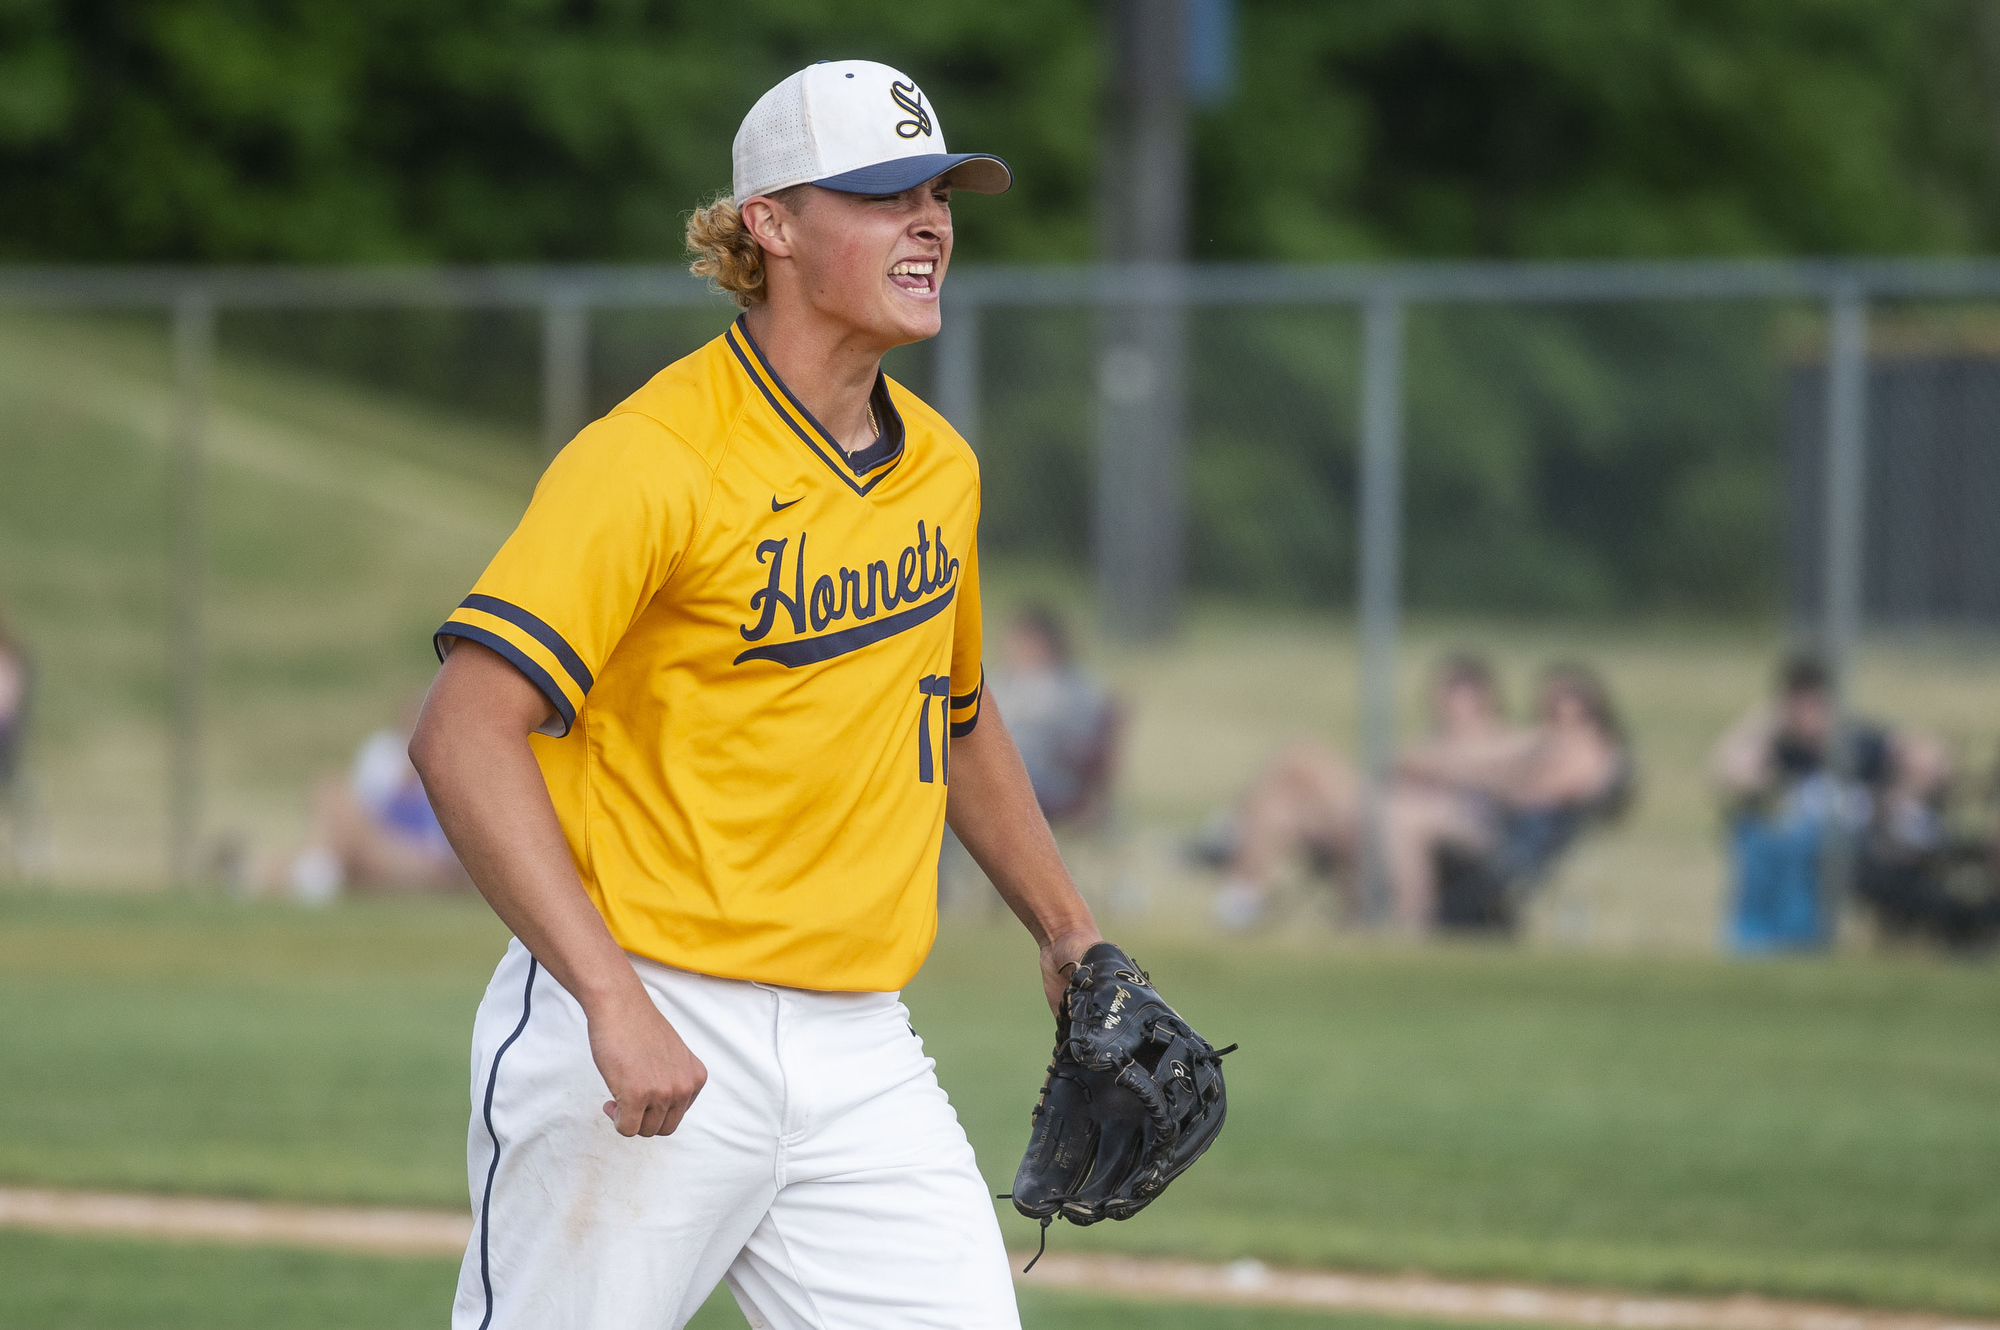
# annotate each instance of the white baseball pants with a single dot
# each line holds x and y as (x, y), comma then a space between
(821, 1172)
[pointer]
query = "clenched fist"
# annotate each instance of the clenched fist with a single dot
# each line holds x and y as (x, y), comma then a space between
(652, 1075)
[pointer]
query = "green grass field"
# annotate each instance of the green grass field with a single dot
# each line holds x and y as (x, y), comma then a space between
(92, 1284)
(1819, 1128)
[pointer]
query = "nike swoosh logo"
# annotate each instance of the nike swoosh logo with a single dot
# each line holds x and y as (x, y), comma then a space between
(777, 507)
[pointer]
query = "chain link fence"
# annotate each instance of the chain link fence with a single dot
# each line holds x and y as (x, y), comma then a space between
(236, 503)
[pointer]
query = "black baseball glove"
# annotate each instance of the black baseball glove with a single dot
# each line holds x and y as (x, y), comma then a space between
(1132, 1098)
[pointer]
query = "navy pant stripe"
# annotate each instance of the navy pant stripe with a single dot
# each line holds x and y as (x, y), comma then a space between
(486, 1201)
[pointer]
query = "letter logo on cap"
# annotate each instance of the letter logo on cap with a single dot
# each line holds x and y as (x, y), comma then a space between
(906, 96)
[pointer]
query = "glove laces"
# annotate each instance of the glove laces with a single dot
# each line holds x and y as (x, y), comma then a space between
(1041, 1247)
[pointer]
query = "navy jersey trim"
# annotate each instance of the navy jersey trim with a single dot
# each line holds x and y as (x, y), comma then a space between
(730, 337)
(888, 445)
(976, 699)
(516, 657)
(823, 447)
(813, 650)
(537, 629)
(493, 1167)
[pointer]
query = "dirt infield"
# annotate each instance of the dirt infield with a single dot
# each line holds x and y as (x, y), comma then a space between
(1250, 1283)
(1243, 1283)
(392, 1232)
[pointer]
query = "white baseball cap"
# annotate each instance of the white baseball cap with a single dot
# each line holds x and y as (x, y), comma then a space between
(854, 126)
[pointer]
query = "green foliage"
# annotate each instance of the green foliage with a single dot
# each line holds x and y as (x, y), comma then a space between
(379, 129)
(1541, 128)
(1559, 464)
(1594, 459)
(1558, 461)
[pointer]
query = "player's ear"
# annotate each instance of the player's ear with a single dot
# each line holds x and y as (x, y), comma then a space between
(769, 224)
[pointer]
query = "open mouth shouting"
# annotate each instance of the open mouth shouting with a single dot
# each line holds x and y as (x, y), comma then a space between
(917, 277)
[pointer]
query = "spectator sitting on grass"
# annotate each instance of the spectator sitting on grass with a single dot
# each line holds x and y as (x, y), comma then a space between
(373, 829)
(1308, 796)
(1791, 772)
(1512, 798)
(1777, 761)
(1062, 718)
(1516, 803)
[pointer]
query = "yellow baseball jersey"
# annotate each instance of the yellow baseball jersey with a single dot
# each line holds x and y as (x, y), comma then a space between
(757, 648)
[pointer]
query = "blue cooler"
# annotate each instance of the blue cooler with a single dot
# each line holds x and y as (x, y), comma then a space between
(1776, 904)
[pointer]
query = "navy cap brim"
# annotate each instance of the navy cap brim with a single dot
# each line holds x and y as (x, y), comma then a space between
(975, 172)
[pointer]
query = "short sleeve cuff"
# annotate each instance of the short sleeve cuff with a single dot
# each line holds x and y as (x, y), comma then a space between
(527, 643)
(965, 708)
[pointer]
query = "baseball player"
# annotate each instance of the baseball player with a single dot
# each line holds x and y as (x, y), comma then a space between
(696, 735)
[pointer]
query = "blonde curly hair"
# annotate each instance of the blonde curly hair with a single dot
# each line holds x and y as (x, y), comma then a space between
(724, 250)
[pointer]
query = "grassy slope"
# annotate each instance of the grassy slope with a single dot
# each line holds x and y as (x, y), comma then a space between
(340, 528)
(1820, 1128)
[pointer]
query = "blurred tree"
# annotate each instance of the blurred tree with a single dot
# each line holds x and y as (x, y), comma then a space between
(566, 129)
(453, 130)
(1545, 128)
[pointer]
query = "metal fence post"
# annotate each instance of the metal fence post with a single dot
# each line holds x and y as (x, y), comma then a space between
(565, 369)
(1138, 520)
(1845, 529)
(955, 368)
(1380, 588)
(194, 353)
(1845, 526)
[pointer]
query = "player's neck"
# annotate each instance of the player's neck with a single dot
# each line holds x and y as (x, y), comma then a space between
(830, 367)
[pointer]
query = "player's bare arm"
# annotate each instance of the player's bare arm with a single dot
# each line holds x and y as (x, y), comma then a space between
(992, 808)
(471, 748)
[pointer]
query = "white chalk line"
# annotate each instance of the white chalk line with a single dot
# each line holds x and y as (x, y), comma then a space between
(407, 1232)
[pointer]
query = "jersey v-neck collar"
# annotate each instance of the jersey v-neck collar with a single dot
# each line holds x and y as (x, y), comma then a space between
(860, 471)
